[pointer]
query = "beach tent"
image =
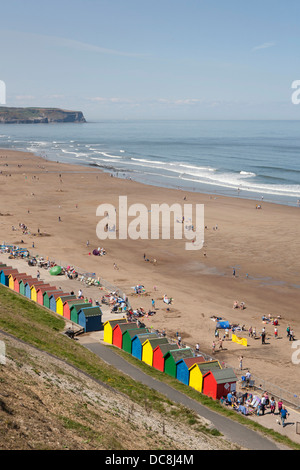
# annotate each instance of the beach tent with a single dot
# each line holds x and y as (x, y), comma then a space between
(67, 306)
(128, 335)
(75, 309)
(159, 353)
(183, 366)
(12, 278)
(108, 328)
(53, 297)
(4, 273)
(55, 271)
(198, 370)
(118, 330)
(137, 342)
(225, 325)
(172, 357)
(90, 319)
(148, 346)
(47, 294)
(40, 292)
(60, 302)
(28, 284)
(219, 382)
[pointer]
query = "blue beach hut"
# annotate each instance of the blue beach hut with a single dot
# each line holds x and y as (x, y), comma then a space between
(90, 319)
(183, 365)
(137, 343)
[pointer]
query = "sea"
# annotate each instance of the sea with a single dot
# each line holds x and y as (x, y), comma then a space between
(257, 160)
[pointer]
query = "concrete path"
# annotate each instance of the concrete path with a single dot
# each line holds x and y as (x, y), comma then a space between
(231, 430)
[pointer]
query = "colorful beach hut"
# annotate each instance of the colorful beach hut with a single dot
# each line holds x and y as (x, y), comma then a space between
(198, 370)
(60, 302)
(18, 281)
(33, 290)
(137, 341)
(40, 292)
(53, 297)
(28, 284)
(172, 357)
(128, 335)
(22, 283)
(183, 366)
(159, 353)
(75, 309)
(219, 382)
(148, 346)
(67, 306)
(118, 331)
(90, 319)
(5, 272)
(12, 278)
(47, 294)
(108, 328)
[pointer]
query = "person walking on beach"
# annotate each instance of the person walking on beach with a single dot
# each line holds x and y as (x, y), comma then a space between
(283, 415)
(38, 275)
(263, 336)
(272, 405)
(241, 362)
(213, 347)
(153, 304)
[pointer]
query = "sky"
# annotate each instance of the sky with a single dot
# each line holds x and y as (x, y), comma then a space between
(166, 59)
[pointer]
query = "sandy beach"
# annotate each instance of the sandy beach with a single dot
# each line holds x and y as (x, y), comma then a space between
(262, 246)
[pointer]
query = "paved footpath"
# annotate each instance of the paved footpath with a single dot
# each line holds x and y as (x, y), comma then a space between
(231, 430)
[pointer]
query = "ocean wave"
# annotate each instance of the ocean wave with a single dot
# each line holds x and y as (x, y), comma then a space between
(247, 173)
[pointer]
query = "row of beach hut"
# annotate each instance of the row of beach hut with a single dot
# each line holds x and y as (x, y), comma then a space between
(207, 377)
(86, 315)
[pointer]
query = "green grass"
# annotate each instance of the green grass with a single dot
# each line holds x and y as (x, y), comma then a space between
(41, 328)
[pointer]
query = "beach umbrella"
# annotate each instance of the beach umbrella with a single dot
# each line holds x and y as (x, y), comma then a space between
(55, 270)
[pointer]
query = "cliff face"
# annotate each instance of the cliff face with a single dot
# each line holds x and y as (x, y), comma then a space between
(38, 115)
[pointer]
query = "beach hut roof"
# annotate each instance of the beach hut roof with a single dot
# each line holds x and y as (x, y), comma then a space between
(156, 341)
(223, 375)
(18, 276)
(91, 311)
(32, 281)
(178, 354)
(114, 322)
(208, 366)
(46, 288)
(55, 294)
(190, 361)
(126, 326)
(167, 347)
(78, 306)
(132, 332)
(143, 336)
(9, 270)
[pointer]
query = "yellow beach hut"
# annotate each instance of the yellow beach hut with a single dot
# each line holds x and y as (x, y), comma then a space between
(60, 303)
(148, 347)
(12, 277)
(34, 288)
(198, 370)
(108, 329)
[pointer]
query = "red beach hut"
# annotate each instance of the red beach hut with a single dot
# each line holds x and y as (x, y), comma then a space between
(219, 382)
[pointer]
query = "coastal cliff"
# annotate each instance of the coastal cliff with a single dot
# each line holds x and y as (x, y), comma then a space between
(38, 115)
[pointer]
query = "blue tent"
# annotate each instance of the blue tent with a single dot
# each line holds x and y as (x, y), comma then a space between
(223, 325)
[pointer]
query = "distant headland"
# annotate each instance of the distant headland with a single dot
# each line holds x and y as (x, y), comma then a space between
(9, 115)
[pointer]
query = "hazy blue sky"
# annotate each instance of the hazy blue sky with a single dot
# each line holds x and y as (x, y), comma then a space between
(190, 59)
